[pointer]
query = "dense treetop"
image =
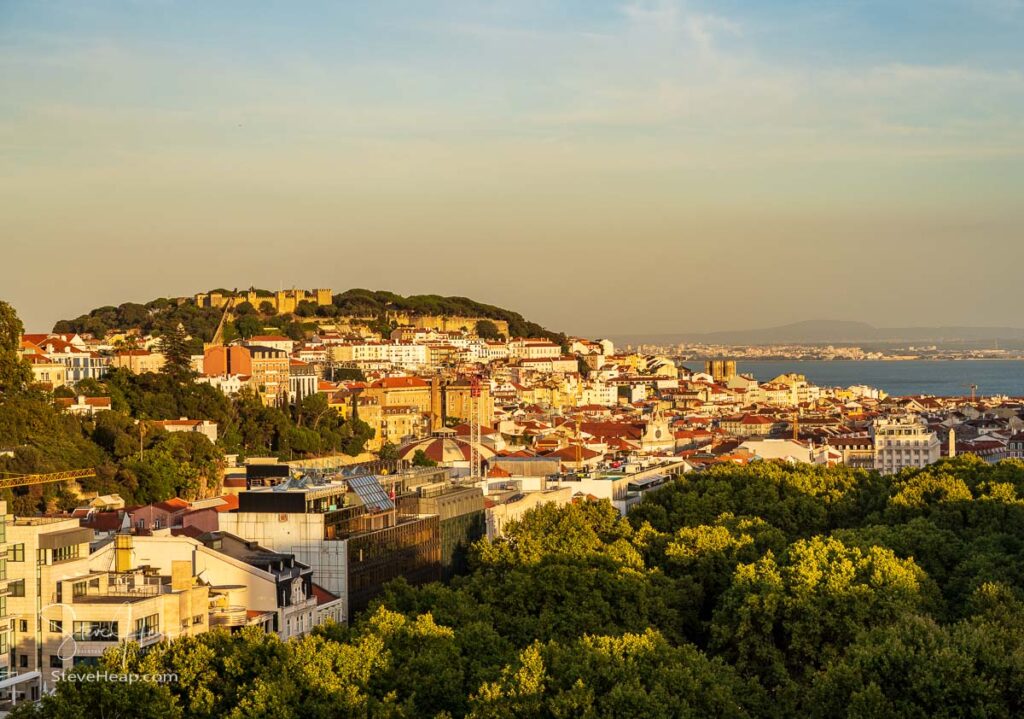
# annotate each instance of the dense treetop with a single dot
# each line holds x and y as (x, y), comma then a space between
(765, 591)
(161, 315)
(131, 454)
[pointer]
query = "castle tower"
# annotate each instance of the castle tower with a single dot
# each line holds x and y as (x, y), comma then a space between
(952, 443)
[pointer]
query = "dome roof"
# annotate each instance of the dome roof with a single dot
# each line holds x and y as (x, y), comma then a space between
(443, 449)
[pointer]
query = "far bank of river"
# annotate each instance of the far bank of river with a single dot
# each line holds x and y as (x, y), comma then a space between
(945, 378)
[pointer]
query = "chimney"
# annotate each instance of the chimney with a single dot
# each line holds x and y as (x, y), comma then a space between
(122, 552)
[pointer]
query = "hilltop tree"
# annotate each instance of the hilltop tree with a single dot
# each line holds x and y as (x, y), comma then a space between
(248, 326)
(487, 330)
(15, 372)
(175, 349)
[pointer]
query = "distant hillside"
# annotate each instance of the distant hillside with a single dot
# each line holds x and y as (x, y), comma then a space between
(359, 303)
(835, 332)
(157, 315)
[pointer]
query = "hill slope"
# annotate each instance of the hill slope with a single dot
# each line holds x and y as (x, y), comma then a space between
(157, 315)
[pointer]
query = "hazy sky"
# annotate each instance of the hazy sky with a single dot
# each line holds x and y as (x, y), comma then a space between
(600, 167)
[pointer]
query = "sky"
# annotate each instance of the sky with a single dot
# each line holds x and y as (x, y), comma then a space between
(601, 167)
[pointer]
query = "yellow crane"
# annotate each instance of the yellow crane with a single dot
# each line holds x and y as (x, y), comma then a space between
(579, 422)
(28, 480)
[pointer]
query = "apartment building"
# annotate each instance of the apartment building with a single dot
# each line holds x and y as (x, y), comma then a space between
(349, 532)
(303, 380)
(902, 442)
(250, 585)
(47, 372)
(533, 349)
(401, 391)
(138, 361)
(267, 367)
(5, 619)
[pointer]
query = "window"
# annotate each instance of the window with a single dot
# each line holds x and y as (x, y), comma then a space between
(23, 660)
(62, 554)
(17, 588)
(197, 619)
(17, 552)
(95, 632)
(147, 626)
(56, 662)
(78, 589)
(22, 625)
(3, 569)
(56, 626)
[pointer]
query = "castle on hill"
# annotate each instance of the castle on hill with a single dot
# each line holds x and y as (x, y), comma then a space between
(283, 301)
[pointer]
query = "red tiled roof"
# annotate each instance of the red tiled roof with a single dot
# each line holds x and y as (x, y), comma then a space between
(172, 505)
(104, 521)
(569, 453)
(231, 501)
(322, 595)
(399, 382)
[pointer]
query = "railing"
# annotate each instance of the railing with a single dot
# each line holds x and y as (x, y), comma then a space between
(233, 616)
(140, 591)
(99, 636)
(145, 637)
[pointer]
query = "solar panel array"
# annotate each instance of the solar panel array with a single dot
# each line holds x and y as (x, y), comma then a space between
(370, 493)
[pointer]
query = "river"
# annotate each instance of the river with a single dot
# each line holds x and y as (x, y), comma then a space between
(906, 377)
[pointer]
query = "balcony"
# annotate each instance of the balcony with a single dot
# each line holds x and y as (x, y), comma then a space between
(227, 617)
(146, 637)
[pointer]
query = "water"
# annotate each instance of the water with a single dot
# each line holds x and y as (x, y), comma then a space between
(934, 377)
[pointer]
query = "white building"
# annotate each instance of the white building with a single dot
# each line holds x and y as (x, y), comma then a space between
(201, 426)
(277, 342)
(395, 353)
(902, 442)
(533, 349)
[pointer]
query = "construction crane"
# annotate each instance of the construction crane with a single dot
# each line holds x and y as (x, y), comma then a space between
(28, 480)
(474, 407)
(579, 420)
(974, 391)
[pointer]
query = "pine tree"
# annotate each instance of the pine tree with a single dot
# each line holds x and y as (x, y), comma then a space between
(177, 356)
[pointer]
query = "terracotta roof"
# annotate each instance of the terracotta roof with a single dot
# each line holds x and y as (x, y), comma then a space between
(104, 521)
(230, 502)
(569, 453)
(322, 595)
(399, 382)
(172, 505)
